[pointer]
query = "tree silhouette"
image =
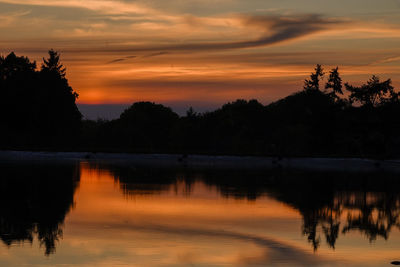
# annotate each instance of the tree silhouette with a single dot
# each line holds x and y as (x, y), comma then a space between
(372, 94)
(39, 108)
(38, 111)
(190, 113)
(146, 126)
(334, 83)
(53, 64)
(11, 66)
(18, 87)
(63, 115)
(313, 82)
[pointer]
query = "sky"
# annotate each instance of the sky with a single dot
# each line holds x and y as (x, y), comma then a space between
(203, 53)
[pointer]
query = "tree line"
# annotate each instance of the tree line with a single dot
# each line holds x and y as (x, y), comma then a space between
(38, 109)
(331, 119)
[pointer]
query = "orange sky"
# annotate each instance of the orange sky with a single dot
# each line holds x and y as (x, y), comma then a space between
(205, 51)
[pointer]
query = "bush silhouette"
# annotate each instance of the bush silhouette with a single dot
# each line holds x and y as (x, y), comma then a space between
(145, 127)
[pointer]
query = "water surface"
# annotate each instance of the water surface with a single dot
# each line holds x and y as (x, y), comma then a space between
(89, 214)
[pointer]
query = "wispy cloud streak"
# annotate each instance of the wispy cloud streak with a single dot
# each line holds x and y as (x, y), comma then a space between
(387, 60)
(156, 54)
(274, 30)
(103, 6)
(120, 59)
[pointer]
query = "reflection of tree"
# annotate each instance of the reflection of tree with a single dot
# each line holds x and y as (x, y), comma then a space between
(374, 219)
(34, 201)
(369, 204)
(328, 219)
(330, 203)
(376, 214)
(145, 181)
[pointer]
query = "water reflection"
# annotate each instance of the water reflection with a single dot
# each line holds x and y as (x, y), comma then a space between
(166, 217)
(34, 201)
(330, 203)
(341, 203)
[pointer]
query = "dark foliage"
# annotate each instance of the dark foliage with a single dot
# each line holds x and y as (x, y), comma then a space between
(334, 83)
(315, 78)
(307, 123)
(146, 126)
(372, 94)
(312, 122)
(38, 111)
(34, 201)
(37, 106)
(143, 127)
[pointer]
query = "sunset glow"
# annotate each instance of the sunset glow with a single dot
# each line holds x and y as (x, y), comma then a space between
(203, 51)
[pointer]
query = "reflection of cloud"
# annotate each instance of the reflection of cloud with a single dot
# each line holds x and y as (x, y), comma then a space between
(276, 251)
(115, 60)
(156, 54)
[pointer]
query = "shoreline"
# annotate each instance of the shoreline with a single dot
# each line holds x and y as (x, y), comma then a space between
(201, 161)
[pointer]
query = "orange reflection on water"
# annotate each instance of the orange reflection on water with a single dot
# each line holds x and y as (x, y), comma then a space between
(181, 222)
(204, 201)
(171, 227)
(179, 225)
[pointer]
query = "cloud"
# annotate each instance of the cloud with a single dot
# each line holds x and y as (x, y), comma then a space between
(156, 54)
(103, 6)
(120, 59)
(10, 18)
(274, 30)
(387, 60)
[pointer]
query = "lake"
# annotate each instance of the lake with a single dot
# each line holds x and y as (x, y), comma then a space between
(99, 214)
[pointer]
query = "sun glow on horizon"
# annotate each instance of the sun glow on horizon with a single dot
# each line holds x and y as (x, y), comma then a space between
(126, 51)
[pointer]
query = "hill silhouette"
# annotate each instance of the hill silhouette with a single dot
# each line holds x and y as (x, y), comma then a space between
(331, 119)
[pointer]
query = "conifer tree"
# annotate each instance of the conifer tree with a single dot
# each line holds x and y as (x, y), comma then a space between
(312, 84)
